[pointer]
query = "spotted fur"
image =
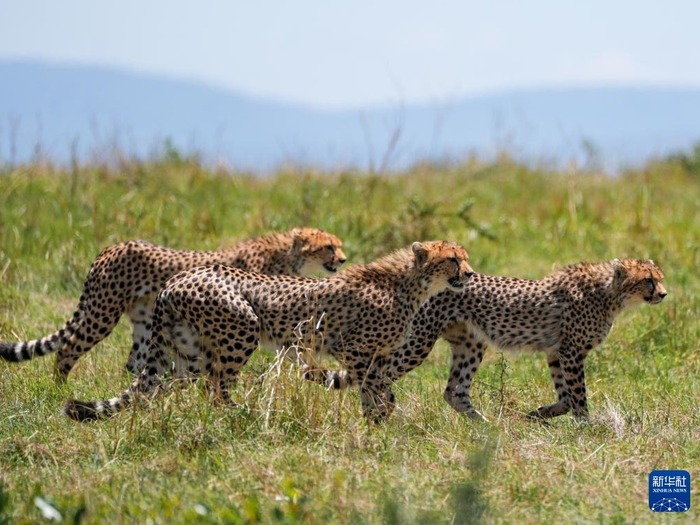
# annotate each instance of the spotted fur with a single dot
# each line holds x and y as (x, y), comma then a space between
(211, 319)
(565, 315)
(125, 278)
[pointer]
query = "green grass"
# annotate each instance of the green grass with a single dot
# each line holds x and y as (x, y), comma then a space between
(294, 453)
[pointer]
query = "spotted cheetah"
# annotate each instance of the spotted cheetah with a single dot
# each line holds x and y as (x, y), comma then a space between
(213, 318)
(126, 276)
(565, 315)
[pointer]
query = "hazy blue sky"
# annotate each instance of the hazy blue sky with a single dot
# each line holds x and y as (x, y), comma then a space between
(358, 53)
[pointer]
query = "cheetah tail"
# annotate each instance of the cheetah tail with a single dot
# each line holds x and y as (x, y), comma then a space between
(94, 410)
(25, 350)
(331, 379)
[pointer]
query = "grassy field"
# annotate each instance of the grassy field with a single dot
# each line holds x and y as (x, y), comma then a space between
(294, 453)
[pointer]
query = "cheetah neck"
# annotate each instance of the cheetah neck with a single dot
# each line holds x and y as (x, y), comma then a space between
(596, 282)
(415, 290)
(617, 302)
(273, 253)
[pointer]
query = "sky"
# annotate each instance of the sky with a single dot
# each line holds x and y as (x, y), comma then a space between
(355, 54)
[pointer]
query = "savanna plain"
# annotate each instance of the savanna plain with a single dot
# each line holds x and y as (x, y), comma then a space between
(292, 452)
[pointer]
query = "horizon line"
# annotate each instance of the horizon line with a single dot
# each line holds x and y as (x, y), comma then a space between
(397, 102)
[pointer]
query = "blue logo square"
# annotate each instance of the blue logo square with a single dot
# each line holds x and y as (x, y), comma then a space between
(669, 490)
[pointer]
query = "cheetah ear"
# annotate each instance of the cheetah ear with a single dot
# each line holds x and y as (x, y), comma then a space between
(651, 261)
(619, 270)
(420, 252)
(297, 239)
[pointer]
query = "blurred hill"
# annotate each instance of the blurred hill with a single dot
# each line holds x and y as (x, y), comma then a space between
(47, 111)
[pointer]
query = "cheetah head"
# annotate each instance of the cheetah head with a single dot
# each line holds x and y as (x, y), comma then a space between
(639, 281)
(320, 251)
(443, 264)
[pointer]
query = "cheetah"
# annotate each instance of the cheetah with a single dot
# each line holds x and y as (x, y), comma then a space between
(211, 319)
(125, 278)
(565, 315)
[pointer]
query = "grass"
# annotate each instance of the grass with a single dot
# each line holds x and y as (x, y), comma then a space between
(294, 453)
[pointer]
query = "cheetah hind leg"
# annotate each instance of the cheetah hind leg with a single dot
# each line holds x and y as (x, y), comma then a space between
(562, 406)
(232, 344)
(147, 385)
(141, 317)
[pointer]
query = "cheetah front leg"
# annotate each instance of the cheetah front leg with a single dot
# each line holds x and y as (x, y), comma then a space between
(467, 354)
(381, 402)
(377, 400)
(368, 372)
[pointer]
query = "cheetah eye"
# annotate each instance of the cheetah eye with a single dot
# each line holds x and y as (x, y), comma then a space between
(649, 280)
(330, 248)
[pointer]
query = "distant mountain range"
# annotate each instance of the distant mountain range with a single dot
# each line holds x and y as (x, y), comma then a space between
(53, 110)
